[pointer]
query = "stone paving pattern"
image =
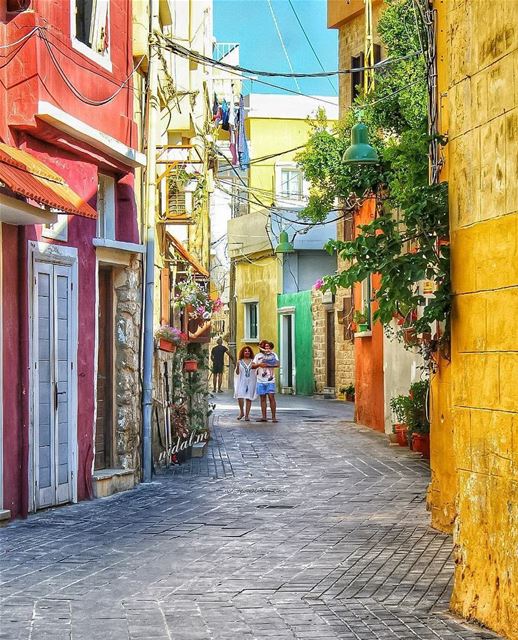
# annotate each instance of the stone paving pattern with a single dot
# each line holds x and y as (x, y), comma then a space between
(313, 528)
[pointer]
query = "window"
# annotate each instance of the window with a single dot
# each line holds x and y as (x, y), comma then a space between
(357, 77)
(365, 301)
(56, 230)
(251, 321)
(90, 28)
(291, 183)
(106, 207)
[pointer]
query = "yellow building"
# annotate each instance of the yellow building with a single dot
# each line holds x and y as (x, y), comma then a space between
(276, 128)
(475, 413)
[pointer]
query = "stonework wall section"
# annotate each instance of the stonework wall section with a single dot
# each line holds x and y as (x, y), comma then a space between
(127, 284)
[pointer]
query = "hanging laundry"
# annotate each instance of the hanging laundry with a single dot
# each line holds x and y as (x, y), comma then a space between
(215, 107)
(233, 146)
(225, 113)
(242, 145)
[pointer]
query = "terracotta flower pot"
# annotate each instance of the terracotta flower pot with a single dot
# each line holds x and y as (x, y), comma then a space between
(401, 434)
(165, 345)
(349, 397)
(190, 365)
(421, 444)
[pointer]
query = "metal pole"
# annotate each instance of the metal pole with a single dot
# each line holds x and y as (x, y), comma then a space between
(232, 321)
(150, 190)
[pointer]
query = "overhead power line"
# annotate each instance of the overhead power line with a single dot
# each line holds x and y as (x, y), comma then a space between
(274, 17)
(310, 43)
(179, 49)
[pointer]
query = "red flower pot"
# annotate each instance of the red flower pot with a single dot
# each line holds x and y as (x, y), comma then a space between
(165, 345)
(421, 444)
(401, 434)
(190, 365)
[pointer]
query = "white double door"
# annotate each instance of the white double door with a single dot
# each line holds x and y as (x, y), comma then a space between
(53, 357)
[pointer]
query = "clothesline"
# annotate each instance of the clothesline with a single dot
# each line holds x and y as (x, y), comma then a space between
(232, 117)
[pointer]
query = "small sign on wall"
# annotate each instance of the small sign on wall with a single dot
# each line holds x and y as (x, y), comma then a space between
(327, 297)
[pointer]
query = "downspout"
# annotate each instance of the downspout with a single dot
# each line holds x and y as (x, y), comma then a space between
(149, 216)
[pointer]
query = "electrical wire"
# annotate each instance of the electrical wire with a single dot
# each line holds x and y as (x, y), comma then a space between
(311, 44)
(276, 211)
(199, 57)
(25, 37)
(277, 28)
(74, 90)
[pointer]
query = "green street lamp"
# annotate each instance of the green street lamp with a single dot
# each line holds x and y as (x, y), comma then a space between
(360, 151)
(284, 246)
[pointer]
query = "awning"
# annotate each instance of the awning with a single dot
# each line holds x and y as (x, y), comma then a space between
(188, 257)
(24, 175)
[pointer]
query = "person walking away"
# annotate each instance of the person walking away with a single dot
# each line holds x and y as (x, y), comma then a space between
(266, 362)
(217, 355)
(245, 382)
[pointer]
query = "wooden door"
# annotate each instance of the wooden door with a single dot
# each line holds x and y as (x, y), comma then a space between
(330, 349)
(104, 421)
(52, 391)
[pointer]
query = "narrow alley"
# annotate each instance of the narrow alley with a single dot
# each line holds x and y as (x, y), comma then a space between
(310, 528)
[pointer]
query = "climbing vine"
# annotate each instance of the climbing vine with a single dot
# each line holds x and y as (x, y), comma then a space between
(407, 241)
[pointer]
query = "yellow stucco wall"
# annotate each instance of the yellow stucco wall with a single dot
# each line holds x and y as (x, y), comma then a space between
(478, 63)
(258, 280)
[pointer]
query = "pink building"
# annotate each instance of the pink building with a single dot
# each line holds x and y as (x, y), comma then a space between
(70, 263)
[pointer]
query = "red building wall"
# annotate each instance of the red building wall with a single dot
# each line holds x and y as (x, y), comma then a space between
(369, 401)
(28, 77)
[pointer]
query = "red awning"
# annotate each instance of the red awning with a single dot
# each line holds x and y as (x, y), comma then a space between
(25, 175)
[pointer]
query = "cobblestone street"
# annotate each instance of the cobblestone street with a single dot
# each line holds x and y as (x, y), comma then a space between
(312, 528)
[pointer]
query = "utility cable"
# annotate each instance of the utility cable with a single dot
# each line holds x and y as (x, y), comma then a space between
(311, 44)
(173, 46)
(25, 37)
(282, 42)
(74, 90)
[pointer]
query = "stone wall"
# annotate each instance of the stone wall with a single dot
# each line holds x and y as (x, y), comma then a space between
(344, 347)
(351, 42)
(127, 286)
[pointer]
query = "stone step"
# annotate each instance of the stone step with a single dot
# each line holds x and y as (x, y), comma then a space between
(5, 516)
(106, 482)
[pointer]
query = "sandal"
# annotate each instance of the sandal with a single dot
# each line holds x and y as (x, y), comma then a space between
(274, 420)
(239, 417)
(261, 420)
(247, 419)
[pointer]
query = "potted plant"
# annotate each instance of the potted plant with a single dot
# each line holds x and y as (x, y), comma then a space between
(361, 319)
(349, 392)
(168, 338)
(400, 406)
(190, 363)
(417, 417)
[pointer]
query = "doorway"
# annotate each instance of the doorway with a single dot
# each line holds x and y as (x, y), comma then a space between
(287, 373)
(330, 349)
(104, 417)
(53, 348)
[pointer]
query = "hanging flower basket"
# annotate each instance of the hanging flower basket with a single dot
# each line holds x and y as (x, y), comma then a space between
(189, 366)
(169, 338)
(166, 345)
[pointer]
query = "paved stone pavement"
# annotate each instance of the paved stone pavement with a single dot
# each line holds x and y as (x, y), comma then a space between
(312, 528)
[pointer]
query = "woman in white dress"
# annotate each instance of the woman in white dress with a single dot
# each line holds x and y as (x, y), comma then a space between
(245, 381)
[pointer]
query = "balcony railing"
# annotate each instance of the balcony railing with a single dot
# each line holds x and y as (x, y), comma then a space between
(222, 49)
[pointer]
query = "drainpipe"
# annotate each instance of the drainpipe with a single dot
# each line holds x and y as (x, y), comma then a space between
(149, 215)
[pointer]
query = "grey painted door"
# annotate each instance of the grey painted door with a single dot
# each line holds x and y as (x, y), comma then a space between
(52, 389)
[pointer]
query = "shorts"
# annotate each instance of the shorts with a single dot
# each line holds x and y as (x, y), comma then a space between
(263, 388)
(217, 368)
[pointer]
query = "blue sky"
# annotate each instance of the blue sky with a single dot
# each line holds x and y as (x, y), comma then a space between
(250, 23)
